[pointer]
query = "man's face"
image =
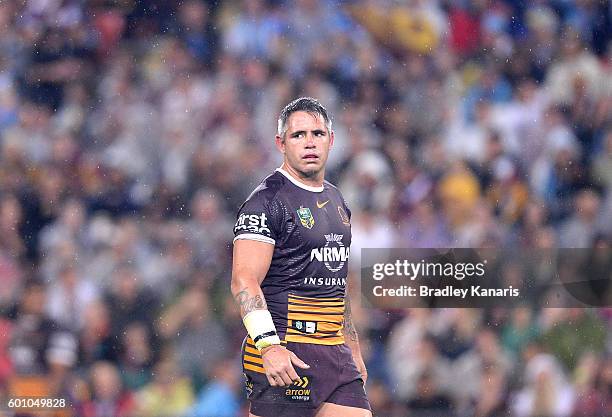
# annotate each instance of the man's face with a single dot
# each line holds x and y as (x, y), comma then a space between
(306, 143)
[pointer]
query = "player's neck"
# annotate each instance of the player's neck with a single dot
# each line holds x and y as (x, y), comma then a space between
(310, 182)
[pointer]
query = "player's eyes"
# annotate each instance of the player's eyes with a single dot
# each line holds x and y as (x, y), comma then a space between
(303, 135)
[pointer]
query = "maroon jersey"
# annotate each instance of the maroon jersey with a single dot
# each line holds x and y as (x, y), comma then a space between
(311, 233)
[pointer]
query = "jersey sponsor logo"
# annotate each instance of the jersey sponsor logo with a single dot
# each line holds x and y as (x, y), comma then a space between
(299, 390)
(306, 218)
(321, 205)
(334, 254)
(254, 223)
(328, 282)
(343, 216)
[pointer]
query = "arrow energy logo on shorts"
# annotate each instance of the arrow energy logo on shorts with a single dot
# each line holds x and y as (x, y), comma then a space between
(302, 392)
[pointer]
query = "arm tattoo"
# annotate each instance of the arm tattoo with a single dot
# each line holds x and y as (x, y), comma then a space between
(351, 331)
(248, 304)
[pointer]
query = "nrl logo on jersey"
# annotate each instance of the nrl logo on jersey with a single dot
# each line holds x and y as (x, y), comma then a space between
(306, 218)
(334, 254)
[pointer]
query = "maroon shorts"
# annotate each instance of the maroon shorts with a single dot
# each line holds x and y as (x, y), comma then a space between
(332, 377)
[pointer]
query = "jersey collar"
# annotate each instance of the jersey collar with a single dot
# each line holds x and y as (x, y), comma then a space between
(298, 183)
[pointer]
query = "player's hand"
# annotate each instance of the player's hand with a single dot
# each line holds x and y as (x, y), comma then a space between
(278, 362)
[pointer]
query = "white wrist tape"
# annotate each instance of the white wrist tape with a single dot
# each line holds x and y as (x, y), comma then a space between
(261, 328)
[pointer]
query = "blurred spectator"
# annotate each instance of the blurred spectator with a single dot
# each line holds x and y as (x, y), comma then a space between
(381, 400)
(520, 331)
(425, 359)
(547, 392)
(602, 166)
(108, 396)
(372, 231)
(198, 337)
(458, 333)
(487, 357)
(197, 31)
(70, 226)
(128, 301)
(573, 332)
(252, 30)
(41, 351)
(69, 297)
(11, 216)
(60, 59)
(492, 398)
(426, 228)
(575, 61)
(208, 228)
(428, 401)
(96, 340)
(35, 338)
(218, 398)
(169, 393)
(579, 231)
(137, 357)
(5, 359)
(588, 377)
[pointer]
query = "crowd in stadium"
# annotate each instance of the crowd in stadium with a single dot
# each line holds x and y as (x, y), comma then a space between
(130, 133)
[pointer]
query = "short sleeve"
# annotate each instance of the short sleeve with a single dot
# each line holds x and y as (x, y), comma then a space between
(256, 220)
(348, 210)
(345, 208)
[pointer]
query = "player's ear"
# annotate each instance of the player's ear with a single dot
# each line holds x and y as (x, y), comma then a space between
(280, 143)
(331, 139)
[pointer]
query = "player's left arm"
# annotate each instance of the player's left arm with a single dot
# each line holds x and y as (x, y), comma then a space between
(352, 339)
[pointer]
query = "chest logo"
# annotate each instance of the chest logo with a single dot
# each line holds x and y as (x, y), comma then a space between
(334, 254)
(306, 218)
(321, 205)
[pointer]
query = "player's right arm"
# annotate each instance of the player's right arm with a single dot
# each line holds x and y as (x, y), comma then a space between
(251, 262)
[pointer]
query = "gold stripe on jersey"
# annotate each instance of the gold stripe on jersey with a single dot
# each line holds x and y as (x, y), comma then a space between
(330, 318)
(316, 299)
(299, 308)
(252, 351)
(251, 358)
(254, 368)
(253, 362)
(322, 303)
(328, 313)
(327, 327)
(301, 338)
